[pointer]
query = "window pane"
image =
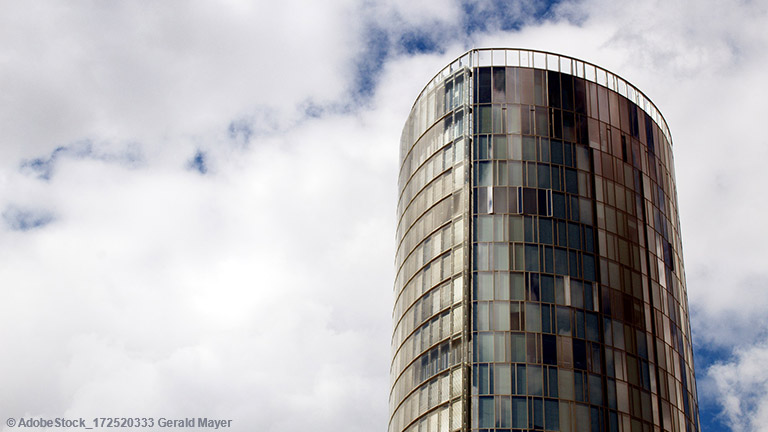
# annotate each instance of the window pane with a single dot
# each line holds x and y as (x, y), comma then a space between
(551, 414)
(501, 316)
(485, 347)
(534, 380)
(563, 321)
(532, 317)
(518, 349)
(502, 379)
(519, 413)
(486, 412)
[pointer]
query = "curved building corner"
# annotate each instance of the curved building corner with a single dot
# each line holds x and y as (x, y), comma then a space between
(540, 280)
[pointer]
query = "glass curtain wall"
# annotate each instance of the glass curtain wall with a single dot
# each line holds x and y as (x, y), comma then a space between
(428, 370)
(568, 301)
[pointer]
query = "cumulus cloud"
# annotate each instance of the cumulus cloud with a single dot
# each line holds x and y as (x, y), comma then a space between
(143, 69)
(254, 292)
(742, 384)
(198, 199)
(248, 295)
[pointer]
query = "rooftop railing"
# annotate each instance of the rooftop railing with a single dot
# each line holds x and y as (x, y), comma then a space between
(552, 62)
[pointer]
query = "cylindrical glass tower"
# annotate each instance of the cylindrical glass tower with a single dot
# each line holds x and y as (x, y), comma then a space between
(540, 282)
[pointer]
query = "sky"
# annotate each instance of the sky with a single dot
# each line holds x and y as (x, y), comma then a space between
(197, 199)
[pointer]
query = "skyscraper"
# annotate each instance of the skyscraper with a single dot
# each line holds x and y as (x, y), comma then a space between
(540, 282)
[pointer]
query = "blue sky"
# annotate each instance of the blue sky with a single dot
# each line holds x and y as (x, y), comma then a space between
(198, 199)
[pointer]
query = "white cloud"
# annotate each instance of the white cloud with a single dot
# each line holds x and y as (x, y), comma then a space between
(142, 70)
(256, 294)
(742, 384)
(260, 291)
(417, 14)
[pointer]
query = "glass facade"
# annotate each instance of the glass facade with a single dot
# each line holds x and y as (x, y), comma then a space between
(540, 282)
